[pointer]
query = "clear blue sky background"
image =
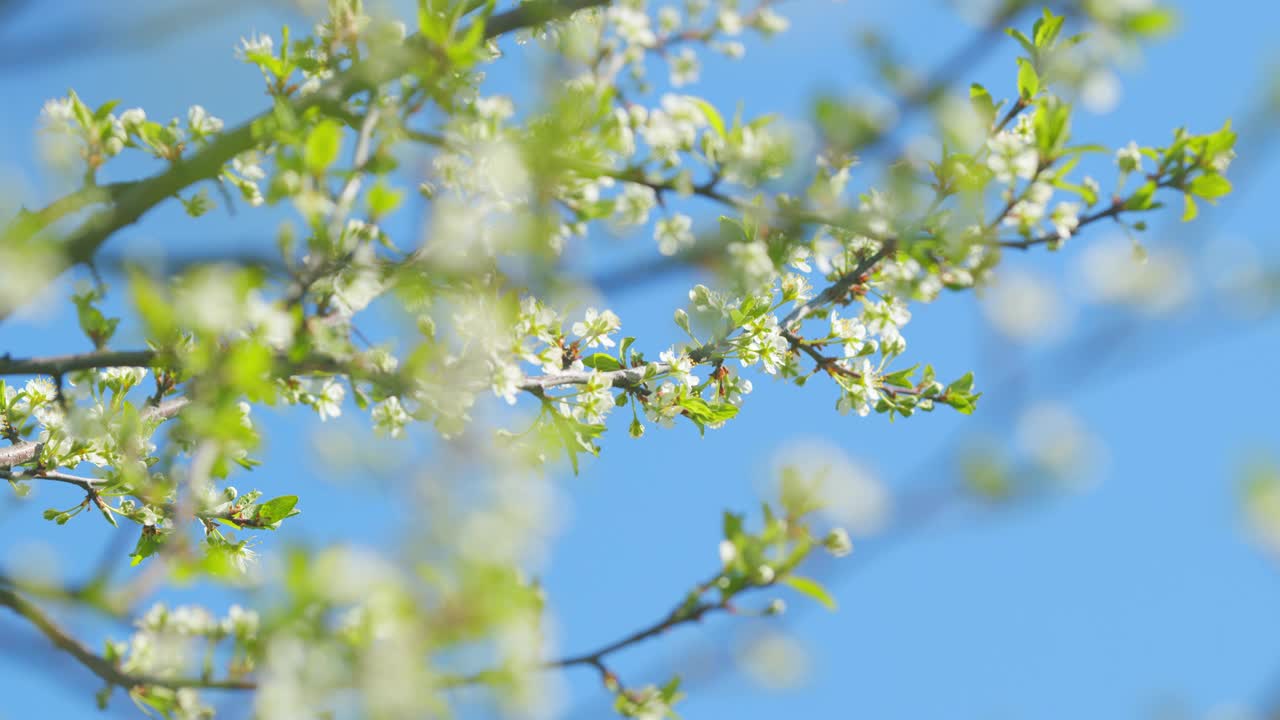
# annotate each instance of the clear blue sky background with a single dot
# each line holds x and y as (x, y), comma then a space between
(1140, 593)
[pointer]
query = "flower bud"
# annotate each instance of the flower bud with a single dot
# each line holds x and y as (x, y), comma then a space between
(837, 542)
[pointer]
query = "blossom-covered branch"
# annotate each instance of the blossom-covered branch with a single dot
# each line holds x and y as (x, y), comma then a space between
(106, 670)
(130, 201)
(27, 451)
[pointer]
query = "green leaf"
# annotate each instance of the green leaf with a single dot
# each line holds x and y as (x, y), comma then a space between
(982, 104)
(1046, 29)
(671, 691)
(322, 147)
(1022, 40)
(713, 116)
(1151, 23)
(900, 378)
(732, 230)
(81, 111)
(105, 109)
(276, 509)
(1028, 79)
(1052, 122)
(198, 204)
(383, 199)
(602, 362)
(962, 386)
(576, 437)
(463, 50)
(1210, 186)
(148, 544)
(812, 588)
(703, 413)
(731, 526)
(1141, 199)
(108, 515)
(1189, 208)
(963, 404)
(1086, 148)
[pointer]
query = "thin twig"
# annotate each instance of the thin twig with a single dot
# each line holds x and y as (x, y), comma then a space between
(360, 159)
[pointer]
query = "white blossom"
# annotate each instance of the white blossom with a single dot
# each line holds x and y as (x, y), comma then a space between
(256, 44)
(39, 391)
(729, 22)
(327, 398)
(886, 318)
(728, 552)
(680, 367)
(59, 113)
(663, 405)
(751, 262)
(495, 108)
(1065, 218)
(635, 203)
(132, 119)
(596, 399)
(123, 377)
(242, 556)
(241, 623)
(674, 233)
(795, 288)
(837, 542)
(1029, 210)
(764, 344)
(862, 393)
(632, 26)
(201, 122)
(684, 67)
(1129, 158)
(732, 49)
(1222, 160)
(851, 333)
(668, 19)
(1012, 156)
(274, 323)
(389, 417)
(506, 381)
(769, 22)
(596, 326)
(1093, 187)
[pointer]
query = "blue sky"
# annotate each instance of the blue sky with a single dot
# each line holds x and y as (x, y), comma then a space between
(1138, 592)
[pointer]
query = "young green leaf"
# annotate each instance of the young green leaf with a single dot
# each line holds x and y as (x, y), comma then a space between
(811, 588)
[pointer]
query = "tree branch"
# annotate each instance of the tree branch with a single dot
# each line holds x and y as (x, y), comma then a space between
(1117, 207)
(536, 385)
(679, 616)
(97, 664)
(62, 364)
(26, 451)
